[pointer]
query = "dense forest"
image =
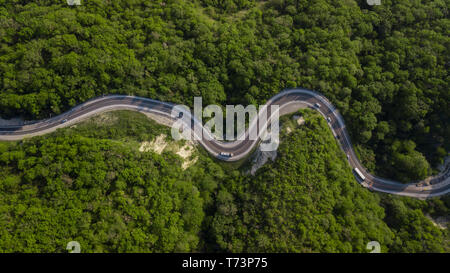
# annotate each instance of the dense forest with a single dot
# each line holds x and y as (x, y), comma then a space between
(308, 201)
(385, 67)
(90, 183)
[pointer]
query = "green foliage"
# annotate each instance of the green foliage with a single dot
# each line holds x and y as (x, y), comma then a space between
(74, 185)
(408, 164)
(117, 125)
(99, 192)
(307, 201)
(415, 232)
(385, 67)
(229, 5)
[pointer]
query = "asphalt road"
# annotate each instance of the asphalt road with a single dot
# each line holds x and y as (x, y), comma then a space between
(289, 101)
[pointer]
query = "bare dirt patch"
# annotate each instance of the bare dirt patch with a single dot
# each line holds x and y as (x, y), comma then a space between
(160, 143)
(186, 153)
(157, 145)
(300, 120)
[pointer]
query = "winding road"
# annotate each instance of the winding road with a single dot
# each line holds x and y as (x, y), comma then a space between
(289, 101)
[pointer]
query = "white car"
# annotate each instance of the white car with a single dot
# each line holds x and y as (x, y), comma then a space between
(226, 154)
(317, 105)
(329, 119)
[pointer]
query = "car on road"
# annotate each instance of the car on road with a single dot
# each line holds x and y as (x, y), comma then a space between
(359, 173)
(329, 119)
(348, 156)
(180, 115)
(64, 120)
(317, 105)
(226, 154)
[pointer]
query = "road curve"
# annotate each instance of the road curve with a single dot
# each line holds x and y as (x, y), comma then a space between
(289, 101)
